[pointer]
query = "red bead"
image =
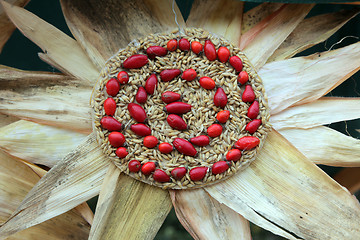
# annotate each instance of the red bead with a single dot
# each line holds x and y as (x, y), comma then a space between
(112, 87)
(219, 167)
(209, 50)
(172, 45)
(223, 116)
(178, 173)
(151, 83)
(253, 110)
(200, 141)
(233, 155)
(214, 130)
(116, 139)
(248, 94)
(169, 97)
(165, 147)
(236, 62)
(189, 74)
(243, 77)
(184, 44)
(137, 112)
(140, 129)
(220, 98)
(196, 47)
(110, 124)
(134, 166)
(123, 77)
(223, 54)
(198, 173)
(169, 74)
(154, 51)
(247, 143)
(121, 152)
(178, 108)
(207, 83)
(135, 61)
(252, 126)
(176, 122)
(184, 147)
(141, 95)
(150, 141)
(110, 106)
(161, 176)
(148, 168)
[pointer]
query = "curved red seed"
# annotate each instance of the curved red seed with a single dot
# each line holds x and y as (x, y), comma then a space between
(220, 98)
(184, 147)
(223, 54)
(112, 87)
(137, 112)
(247, 143)
(252, 126)
(207, 83)
(196, 47)
(135, 61)
(209, 50)
(154, 51)
(253, 110)
(169, 74)
(161, 176)
(141, 95)
(110, 106)
(148, 168)
(178, 108)
(172, 45)
(134, 166)
(178, 173)
(141, 129)
(223, 116)
(151, 83)
(121, 152)
(123, 77)
(198, 173)
(248, 94)
(189, 74)
(165, 148)
(176, 122)
(169, 97)
(236, 62)
(150, 141)
(214, 130)
(116, 139)
(200, 141)
(243, 77)
(219, 167)
(184, 44)
(233, 155)
(110, 124)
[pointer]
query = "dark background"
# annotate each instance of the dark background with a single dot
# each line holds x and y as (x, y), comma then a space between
(19, 52)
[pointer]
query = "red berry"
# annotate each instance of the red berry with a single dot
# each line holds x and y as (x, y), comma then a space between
(110, 106)
(198, 173)
(178, 108)
(233, 155)
(148, 168)
(141, 95)
(252, 126)
(223, 116)
(243, 77)
(137, 112)
(176, 122)
(169, 74)
(169, 97)
(178, 173)
(253, 110)
(141, 129)
(184, 44)
(134, 166)
(154, 51)
(161, 176)
(247, 143)
(116, 139)
(220, 98)
(184, 147)
(135, 61)
(196, 47)
(200, 141)
(214, 130)
(112, 87)
(219, 167)
(165, 148)
(189, 74)
(150, 141)
(110, 124)
(223, 54)
(172, 45)
(207, 83)
(248, 94)
(209, 50)
(123, 77)
(236, 62)
(151, 83)
(121, 152)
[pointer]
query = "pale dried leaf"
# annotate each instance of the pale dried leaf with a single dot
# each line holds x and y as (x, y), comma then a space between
(59, 47)
(268, 34)
(205, 218)
(38, 143)
(312, 31)
(323, 111)
(102, 37)
(129, 209)
(219, 17)
(72, 181)
(323, 145)
(349, 178)
(304, 79)
(284, 188)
